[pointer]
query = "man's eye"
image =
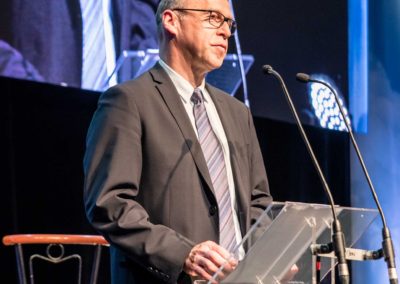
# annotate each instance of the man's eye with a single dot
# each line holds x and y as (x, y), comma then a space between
(215, 17)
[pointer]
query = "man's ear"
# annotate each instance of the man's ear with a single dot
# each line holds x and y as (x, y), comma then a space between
(170, 22)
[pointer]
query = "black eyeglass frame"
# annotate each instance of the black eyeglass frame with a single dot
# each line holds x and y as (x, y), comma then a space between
(231, 22)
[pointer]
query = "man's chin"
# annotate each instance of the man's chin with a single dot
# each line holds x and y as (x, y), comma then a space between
(217, 64)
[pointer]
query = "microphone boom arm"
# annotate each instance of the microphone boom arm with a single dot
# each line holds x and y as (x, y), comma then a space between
(387, 244)
(337, 236)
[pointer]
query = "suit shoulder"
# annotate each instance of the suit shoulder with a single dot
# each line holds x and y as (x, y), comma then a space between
(137, 89)
(130, 94)
(143, 82)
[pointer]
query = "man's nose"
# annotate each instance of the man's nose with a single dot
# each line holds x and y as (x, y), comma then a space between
(225, 29)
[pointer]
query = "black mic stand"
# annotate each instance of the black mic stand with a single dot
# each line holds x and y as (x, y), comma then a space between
(337, 235)
(387, 250)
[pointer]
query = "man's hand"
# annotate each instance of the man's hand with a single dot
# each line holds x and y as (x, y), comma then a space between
(206, 258)
(290, 274)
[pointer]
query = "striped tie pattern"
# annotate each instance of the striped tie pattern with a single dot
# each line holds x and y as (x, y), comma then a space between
(214, 157)
(94, 67)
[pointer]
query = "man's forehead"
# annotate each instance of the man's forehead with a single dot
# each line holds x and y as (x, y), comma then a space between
(207, 2)
(218, 5)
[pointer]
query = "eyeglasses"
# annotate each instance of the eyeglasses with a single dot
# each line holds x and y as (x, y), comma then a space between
(215, 18)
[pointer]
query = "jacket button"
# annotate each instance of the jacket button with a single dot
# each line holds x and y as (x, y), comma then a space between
(213, 210)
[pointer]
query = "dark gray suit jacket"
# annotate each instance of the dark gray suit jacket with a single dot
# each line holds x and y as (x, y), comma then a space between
(147, 186)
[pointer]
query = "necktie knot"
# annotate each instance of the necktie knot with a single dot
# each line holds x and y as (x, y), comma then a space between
(197, 97)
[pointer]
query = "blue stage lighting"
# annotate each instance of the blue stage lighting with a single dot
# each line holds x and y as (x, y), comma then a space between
(324, 104)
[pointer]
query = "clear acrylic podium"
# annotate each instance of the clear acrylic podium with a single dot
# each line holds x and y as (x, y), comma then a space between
(282, 238)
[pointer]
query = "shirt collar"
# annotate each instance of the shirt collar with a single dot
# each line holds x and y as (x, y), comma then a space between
(184, 88)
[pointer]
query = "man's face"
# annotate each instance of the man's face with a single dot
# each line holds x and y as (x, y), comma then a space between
(202, 43)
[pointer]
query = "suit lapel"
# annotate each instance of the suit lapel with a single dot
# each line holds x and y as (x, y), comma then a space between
(171, 98)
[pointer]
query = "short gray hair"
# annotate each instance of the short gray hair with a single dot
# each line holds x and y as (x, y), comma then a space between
(165, 5)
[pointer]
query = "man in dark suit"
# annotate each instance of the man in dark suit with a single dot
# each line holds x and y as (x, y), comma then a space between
(149, 188)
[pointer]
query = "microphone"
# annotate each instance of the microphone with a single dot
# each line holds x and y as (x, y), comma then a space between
(337, 236)
(387, 244)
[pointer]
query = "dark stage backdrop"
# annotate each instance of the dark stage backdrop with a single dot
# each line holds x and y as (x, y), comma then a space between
(42, 145)
(292, 36)
(43, 130)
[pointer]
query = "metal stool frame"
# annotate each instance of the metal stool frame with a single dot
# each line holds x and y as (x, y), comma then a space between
(53, 240)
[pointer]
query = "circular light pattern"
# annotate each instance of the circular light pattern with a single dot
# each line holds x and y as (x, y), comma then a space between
(325, 107)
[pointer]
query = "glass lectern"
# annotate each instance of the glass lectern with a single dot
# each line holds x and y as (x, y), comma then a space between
(278, 246)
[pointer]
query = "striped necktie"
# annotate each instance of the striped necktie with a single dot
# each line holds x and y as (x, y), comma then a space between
(214, 157)
(94, 65)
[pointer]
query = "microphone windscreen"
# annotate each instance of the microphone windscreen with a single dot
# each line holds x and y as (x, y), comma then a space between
(302, 77)
(267, 69)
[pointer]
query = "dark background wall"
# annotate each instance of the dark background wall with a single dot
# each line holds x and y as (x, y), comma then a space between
(292, 36)
(43, 126)
(43, 130)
